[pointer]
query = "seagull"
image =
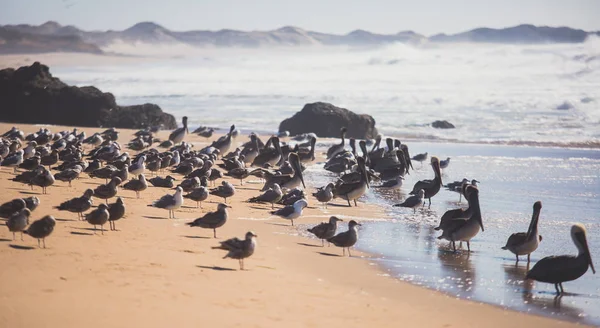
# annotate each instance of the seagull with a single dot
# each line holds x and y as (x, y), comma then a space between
(420, 158)
(212, 220)
(170, 202)
(41, 228)
(239, 249)
(178, 135)
(324, 194)
(78, 204)
(444, 163)
(166, 182)
(139, 167)
(190, 184)
(291, 212)
(32, 202)
(272, 195)
(392, 184)
(136, 185)
(115, 211)
(69, 175)
(7, 209)
(414, 201)
(18, 221)
(325, 230)
(13, 160)
(43, 179)
(562, 268)
(108, 190)
(98, 216)
(225, 190)
(346, 239)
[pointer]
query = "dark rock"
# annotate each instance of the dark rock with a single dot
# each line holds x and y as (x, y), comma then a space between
(31, 94)
(587, 100)
(326, 120)
(442, 125)
(565, 106)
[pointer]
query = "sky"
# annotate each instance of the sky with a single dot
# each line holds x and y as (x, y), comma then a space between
(329, 16)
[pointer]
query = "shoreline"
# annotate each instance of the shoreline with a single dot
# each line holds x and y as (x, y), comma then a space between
(159, 264)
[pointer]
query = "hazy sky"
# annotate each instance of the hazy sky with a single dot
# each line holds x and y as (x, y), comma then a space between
(337, 16)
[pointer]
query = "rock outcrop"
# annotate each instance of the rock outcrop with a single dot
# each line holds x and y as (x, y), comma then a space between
(326, 120)
(31, 94)
(442, 125)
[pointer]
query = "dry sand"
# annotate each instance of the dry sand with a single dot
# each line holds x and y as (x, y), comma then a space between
(156, 272)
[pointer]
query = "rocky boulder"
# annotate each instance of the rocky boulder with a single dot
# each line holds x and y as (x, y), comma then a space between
(326, 120)
(31, 94)
(442, 125)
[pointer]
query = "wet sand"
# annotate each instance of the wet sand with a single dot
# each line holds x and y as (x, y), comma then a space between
(156, 272)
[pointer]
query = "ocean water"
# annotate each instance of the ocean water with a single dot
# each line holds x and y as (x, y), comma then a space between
(492, 93)
(512, 178)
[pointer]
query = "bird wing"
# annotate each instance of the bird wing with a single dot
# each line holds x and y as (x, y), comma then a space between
(551, 268)
(284, 212)
(339, 239)
(320, 229)
(411, 201)
(232, 244)
(164, 201)
(516, 239)
(423, 184)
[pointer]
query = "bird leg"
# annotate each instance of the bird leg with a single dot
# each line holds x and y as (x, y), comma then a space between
(94, 229)
(562, 290)
(454, 246)
(102, 228)
(469, 246)
(528, 258)
(349, 254)
(214, 232)
(344, 250)
(349, 205)
(39, 243)
(429, 202)
(13, 235)
(44, 241)
(106, 200)
(557, 290)
(322, 242)
(292, 222)
(355, 203)
(22, 236)
(517, 258)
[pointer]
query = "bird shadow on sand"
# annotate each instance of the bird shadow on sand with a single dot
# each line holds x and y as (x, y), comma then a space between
(279, 224)
(5, 239)
(197, 237)
(88, 229)
(216, 268)
(329, 254)
(155, 217)
(260, 208)
(308, 245)
(21, 247)
(337, 205)
(245, 188)
(66, 220)
(81, 233)
(30, 193)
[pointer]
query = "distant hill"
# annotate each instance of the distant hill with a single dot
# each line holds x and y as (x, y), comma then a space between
(53, 37)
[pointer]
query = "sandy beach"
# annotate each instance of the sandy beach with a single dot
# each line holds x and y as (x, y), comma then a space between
(156, 272)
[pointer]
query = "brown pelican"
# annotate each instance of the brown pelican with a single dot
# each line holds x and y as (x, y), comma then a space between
(325, 194)
(170, 202)
(268, 154)
(308, 156)
(41, 229)
(178, 134)
(558, 269)
(116, 211)
(239, 249)
(291, 212)
(413, 201)
(224, 143)
(287, 181)
(346, 239)
(18, 221)
(464, 230)
(272, 195)
(212, 220)
(333, 150)
(325, 230)
(455, 214)
(355, 189)
(522, 243)
(78, 204)
(98, 216)
(136, 185)
(431, 187)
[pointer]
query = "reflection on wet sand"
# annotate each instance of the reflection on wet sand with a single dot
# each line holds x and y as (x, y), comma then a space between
(459, 269)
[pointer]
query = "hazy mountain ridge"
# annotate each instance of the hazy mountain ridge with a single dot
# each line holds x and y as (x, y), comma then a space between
(52, 37)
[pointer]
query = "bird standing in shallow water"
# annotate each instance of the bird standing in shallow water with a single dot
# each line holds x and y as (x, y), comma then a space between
(431, 187)
(562, 268)
(525, 243)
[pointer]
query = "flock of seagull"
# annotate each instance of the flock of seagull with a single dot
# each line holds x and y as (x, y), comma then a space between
(280, 165)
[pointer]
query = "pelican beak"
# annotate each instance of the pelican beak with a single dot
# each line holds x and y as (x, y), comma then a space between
(298, 169)
(583, 240)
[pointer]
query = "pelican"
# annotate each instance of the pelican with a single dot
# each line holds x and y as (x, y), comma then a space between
(268, 154)
(239, 249)
(308, 156)
(355, 189)
(325, 230)
(287, 181)
(272, 195)
(431, 187)
(522, 243)
(464, 230)
(333, 150)
(291, 212)
(558, 269)
(224, 143)
(178, 134)
(346, 239)
(170, 202)
(212, 220)
(455, 214)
